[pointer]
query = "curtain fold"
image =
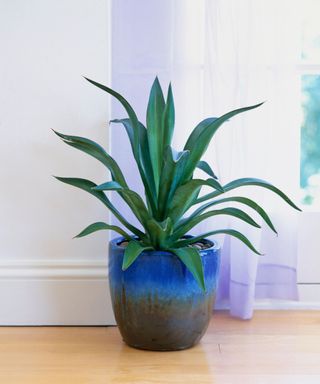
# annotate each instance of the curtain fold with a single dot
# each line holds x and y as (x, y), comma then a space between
(221, 55)
(251, 56)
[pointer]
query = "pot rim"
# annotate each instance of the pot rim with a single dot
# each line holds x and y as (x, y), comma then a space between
(214, 247)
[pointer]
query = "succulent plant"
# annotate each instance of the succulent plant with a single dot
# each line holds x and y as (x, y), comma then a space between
(170, 188)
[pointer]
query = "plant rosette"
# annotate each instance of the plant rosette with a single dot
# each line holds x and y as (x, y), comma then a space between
(162, 282)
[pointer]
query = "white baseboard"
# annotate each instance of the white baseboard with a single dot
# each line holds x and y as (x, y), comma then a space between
(278, 305)
(309, 299)
(69, 292)
(53, 269)
(287, 305)
(309, 293)
(54, 292)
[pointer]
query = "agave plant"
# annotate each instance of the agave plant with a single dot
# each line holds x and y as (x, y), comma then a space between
(170, 188)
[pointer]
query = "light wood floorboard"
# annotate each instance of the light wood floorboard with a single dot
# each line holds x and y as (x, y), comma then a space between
(275, 347)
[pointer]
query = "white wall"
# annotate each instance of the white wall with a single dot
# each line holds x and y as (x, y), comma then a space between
(46, 46)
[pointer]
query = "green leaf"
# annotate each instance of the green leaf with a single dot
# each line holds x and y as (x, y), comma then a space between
(185, 196)
(230, 232)
(133, 200)
(108, 186)
(171, 176)
(202, 134)
(136, 139)
(242, 200)
(137, 205)
(95, 150)
(87, 185)
(159, 233)
(192, 260)
(131, 113)
(168, 119)
(144, 153)
(198, 131)
(99, 226)
(132, 251)
(189, 223)
(167, 226)
(155, 130)
(205, 167)
(248, 182)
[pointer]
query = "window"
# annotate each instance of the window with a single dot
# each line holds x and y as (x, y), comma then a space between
(310, 101)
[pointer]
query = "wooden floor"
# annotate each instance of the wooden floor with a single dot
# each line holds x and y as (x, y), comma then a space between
(274, 347)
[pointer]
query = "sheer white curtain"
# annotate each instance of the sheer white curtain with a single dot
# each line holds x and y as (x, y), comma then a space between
(252, 52)
(221, 55)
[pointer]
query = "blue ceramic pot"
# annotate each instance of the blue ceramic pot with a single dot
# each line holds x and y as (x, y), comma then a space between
(157, 303)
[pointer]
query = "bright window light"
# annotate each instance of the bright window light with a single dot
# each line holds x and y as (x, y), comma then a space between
(310, 102)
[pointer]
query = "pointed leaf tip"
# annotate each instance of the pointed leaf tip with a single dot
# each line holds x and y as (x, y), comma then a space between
(156, 82)
(191, 258)
(61, 135)
(87, 79)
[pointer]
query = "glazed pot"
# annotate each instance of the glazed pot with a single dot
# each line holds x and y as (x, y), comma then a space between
(157, 303)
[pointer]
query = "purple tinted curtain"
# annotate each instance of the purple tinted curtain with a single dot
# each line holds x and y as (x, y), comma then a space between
(206, 49)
